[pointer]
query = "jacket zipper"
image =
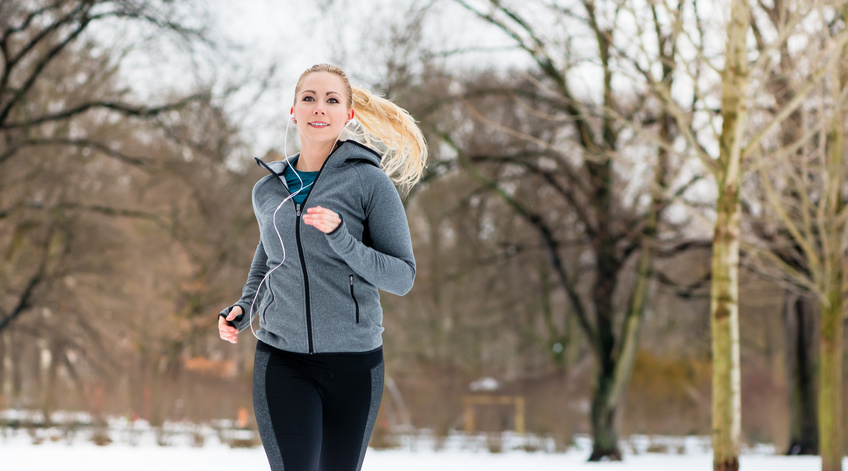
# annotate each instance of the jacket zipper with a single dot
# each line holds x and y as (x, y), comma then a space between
(305, 278)
(309, 333)
(298, 213)
(355, 302)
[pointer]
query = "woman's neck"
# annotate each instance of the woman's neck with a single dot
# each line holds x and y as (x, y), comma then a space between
(313, 156)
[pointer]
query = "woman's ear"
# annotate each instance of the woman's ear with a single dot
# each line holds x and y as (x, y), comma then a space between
(349, 115)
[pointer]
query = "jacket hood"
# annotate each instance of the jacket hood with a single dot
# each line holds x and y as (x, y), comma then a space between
(345, 154)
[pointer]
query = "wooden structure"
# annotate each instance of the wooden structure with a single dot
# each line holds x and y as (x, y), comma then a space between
(471, 401)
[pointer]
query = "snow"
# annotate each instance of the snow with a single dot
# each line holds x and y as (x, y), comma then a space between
(76, 453)
(136, 445)
(90, 457)
(485, 384)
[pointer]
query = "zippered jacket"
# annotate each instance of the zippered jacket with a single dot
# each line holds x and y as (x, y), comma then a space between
(320, 294)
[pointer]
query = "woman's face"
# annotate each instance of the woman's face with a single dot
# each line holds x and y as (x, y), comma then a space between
(320, 108)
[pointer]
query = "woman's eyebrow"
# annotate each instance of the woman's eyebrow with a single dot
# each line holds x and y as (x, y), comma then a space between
(315, 93)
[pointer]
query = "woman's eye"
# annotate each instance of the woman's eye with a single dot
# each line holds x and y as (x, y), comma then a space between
(308, 98)
(333, 100)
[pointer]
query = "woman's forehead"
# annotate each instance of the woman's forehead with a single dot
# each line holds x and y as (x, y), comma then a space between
(322, 82)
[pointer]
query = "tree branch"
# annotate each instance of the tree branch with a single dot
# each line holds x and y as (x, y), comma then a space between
(45, 59)
(118, 212)
(103, 148)
(685, 291)
(551, 244)
(25, 298)
(550, 177)
(123, 108)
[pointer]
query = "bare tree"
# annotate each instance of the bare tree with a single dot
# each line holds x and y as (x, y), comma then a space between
(804, 221)
(583, 171)
(799, 307)
(117, 219)
(741, 136)
(37, 39)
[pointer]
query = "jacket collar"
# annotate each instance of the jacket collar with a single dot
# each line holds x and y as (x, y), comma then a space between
(346, 153)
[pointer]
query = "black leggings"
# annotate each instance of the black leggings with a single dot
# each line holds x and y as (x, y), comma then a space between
(316, 412)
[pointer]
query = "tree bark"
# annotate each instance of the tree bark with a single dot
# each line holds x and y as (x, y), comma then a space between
(724, 295)
(724, 324)
(800, 358)
(604, 434)
(612, 381)
(830, 385)
(830, 344)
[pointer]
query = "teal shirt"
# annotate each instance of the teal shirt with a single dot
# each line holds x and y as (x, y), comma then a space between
(305, 182)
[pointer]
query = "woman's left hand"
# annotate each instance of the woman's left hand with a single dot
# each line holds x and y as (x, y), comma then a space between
(322, 219)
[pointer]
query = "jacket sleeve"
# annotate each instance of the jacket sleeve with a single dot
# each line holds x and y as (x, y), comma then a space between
(258, 268)
(389, 263)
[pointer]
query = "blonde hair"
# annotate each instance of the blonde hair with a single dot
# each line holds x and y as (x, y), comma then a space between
(384, 126)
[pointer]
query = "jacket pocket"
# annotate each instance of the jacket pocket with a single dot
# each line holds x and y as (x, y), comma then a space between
(267, 301)
(355, 302)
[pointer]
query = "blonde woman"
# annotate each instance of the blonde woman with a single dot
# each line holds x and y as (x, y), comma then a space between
(333, 231)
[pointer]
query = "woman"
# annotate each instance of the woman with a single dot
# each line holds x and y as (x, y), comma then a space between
(314, 280)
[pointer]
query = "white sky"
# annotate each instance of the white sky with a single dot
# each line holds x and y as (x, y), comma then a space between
(349, 33)
(257, 33)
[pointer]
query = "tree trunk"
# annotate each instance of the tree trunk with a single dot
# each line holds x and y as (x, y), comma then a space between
(830, 385)
(628, 346)
(800, 358)
(5, 388)
(616, 366)
(724, 295)
(830, 343)
(50, 364)
(604, 434)
(724, 324)
(16, 369)
(605, 444)
(612, 380)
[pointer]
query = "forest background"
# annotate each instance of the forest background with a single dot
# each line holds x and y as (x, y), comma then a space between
(563, 231)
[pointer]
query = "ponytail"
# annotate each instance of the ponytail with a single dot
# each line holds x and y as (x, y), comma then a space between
(403, 147)
(385, 127)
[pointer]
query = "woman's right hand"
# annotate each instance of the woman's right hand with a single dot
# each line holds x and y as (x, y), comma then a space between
(225, 330)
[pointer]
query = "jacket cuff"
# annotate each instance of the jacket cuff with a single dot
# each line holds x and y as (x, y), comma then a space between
(226, 312)
(335, 232)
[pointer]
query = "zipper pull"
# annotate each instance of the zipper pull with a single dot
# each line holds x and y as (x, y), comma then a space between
(297, 206)
(351, 280)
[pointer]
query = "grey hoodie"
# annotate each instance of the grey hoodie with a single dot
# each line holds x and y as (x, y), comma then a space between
(324, 297)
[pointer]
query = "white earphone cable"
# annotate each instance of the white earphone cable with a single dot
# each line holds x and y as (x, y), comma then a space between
(252, 313)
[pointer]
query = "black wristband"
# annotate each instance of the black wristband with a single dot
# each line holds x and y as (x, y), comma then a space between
(230, 323)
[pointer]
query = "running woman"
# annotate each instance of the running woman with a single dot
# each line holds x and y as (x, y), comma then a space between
(333, 231)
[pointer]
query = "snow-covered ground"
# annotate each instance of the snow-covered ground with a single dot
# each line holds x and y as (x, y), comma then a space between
(127, 458)
(19, 453)
(221, 446)
(22, 456)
